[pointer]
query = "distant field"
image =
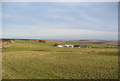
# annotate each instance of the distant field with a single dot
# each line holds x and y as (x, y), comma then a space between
(35, 60)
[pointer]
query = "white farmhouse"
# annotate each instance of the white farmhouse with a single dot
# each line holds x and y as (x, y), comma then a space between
(59, 45)
(68, 45)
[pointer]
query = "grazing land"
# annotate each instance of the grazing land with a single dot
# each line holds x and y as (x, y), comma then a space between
(25, 59)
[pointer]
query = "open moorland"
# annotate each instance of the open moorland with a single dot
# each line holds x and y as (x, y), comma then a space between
(30, 59)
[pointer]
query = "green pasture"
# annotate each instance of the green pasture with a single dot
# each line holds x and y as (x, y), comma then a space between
(35, 60)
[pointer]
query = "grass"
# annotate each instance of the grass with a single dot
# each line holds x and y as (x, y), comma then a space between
(34, 60)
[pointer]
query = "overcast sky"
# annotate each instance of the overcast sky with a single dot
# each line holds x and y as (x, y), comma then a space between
(61, 20)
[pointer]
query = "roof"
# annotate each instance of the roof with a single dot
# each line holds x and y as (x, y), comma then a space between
(68, 45)
(59, 45)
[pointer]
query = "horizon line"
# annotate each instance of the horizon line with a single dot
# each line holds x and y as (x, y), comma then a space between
(53, 39)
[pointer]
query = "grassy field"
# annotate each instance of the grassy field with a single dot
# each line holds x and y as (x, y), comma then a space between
(35, 60)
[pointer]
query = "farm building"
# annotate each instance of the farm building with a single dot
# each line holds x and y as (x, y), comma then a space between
(79, 46)
(65, 45)
(68, 45)
(60, 46)
(76, 45)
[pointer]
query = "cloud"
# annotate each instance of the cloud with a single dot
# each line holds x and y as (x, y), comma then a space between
(60, 20)
(60, 1)
(0, 20)
(54, 33)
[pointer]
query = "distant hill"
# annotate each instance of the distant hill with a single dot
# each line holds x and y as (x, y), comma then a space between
(107, 42)
(46, 41)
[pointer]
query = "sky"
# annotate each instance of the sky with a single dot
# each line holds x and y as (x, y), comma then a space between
(60, 20)
(60, 0)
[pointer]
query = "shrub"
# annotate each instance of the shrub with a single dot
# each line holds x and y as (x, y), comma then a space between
(42, 41)
(56, 44)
